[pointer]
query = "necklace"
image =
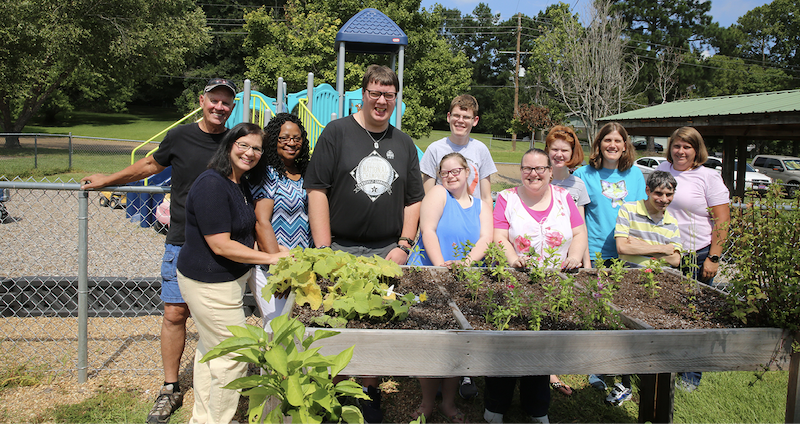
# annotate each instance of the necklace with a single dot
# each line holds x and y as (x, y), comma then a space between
(375, 142)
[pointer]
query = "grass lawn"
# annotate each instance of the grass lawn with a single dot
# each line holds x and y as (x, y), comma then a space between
(138, 124)
(723, 397)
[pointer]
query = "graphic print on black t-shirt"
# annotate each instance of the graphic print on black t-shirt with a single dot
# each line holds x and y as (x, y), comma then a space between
(374, 176)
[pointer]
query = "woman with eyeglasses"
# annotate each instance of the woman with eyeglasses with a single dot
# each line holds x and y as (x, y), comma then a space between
(450, 220)
(611, 180)
(281, 202)
(216, 260)
(533, 222)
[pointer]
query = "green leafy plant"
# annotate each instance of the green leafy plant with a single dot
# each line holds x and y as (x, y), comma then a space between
(497, 264)
(359, 287)
(468, 274)
(297, 376)
(500, 315)
(618, 270)
(763, 247)
(652, 268)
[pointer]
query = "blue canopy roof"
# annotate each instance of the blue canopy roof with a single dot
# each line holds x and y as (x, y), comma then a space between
(370, 31)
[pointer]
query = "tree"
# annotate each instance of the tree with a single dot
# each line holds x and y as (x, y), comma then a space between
(732, 76)
(653, 26)
(302, 40)
(588, 69)
(44, 43)
(531, 118)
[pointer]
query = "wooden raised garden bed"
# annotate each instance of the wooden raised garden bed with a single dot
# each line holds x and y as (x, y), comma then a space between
(655, 354)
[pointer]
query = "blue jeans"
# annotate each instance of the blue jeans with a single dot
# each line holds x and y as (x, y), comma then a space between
(170, 292)
(702, 254)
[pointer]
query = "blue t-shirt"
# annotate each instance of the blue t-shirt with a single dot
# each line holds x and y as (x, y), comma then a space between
(456, 226)
(608, 190)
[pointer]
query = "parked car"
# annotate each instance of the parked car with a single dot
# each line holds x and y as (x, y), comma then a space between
(753, 180)
(642, 145)
(783, 168)
(648, 164)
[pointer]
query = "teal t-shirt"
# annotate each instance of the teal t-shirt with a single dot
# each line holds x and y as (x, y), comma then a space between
(608, 190)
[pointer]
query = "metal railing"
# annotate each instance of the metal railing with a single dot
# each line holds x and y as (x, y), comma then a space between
(310, 123)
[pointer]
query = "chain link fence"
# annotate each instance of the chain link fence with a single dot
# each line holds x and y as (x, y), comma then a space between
(80, 278)
(48, 154)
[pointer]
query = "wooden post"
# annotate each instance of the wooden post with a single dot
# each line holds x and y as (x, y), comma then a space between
(793, 392)
(741, 157)
(656, 397)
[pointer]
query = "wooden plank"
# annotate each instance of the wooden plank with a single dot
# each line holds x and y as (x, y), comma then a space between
(793, 393)
(656, 397)
(514, 353)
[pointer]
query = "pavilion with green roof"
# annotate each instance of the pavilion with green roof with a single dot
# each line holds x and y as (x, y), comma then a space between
(734, 119)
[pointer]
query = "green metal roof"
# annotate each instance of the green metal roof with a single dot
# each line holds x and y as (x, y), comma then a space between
(778, 101)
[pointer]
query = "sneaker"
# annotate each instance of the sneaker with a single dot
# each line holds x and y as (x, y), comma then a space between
(371, 409)
(492, 417)
(468, 389)
(685, 385)
(167, 402)
(543, 419)
(619, 394)
(597, 382)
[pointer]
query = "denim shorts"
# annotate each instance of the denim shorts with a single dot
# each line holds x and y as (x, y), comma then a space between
(170, 291)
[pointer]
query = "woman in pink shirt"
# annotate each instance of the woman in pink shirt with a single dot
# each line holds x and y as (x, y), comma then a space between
(701, 203)
(702, 207)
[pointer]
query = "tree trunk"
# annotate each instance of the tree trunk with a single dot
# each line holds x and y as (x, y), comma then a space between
(12, 142)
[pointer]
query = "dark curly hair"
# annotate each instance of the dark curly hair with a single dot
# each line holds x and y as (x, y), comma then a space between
(221, 161)
(272, 131)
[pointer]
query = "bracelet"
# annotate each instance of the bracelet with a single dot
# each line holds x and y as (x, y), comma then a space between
(410, 242)
(323, 247)
(404, 249)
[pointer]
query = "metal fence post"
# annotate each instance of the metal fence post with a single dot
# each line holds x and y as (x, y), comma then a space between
(70, 150)
(83, 284)
(35, 151)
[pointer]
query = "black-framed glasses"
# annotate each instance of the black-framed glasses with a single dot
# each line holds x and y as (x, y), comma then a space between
(539, 169)
(454, 172)
(285, 140)
(375, 94)
(244, 147)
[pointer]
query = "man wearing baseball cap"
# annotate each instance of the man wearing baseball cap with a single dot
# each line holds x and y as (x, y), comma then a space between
(188, 149)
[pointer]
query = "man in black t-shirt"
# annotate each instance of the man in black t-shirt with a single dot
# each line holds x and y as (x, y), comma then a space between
(188, 149)
(364, 187)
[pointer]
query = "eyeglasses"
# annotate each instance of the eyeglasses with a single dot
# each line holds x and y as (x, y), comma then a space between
(454, 172)
(285, 140)
(539, 169)
(244, 147)
(457, 117)
(375, 94)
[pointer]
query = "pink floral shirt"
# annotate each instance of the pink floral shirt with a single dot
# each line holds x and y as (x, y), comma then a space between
(537, 230)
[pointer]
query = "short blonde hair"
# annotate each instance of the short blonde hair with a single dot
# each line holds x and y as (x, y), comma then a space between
(693, 137)
(628, 156)
(560, 132)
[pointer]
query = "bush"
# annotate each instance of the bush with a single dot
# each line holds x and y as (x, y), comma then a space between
(764, 247)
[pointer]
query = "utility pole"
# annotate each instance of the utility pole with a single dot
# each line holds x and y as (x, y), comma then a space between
(516, 82)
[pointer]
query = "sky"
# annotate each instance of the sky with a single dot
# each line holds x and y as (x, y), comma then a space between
(725, 12)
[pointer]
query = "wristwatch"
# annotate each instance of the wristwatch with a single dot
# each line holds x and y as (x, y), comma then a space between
(404, 249)
(410, 242)
(713, 258)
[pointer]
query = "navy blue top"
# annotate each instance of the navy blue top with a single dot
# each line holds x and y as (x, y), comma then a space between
(216, 205)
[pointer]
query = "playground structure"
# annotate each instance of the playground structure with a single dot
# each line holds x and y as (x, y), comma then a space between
(369, 32)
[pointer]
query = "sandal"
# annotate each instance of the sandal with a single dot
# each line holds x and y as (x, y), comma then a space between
(457, 418)
(417, 413)
(561, 387)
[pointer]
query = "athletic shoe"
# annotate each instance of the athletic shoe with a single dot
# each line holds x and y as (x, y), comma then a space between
(543, 419)
(492, 417)
(619, 394)
(167, 402)
(468, 389)
(371, 409)
(597, 382)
